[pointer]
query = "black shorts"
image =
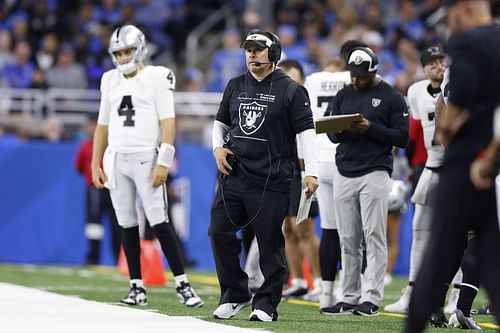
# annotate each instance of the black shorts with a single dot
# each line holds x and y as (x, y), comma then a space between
(295, 192)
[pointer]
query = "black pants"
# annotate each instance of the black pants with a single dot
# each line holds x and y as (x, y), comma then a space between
(239, 199)
(457, 208)
(99, 203)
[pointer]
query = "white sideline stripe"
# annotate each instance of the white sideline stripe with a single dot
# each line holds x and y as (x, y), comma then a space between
(123, 289)
(27, 310)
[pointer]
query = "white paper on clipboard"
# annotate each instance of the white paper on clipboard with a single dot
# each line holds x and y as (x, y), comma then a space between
(304, 207)
(497, 194)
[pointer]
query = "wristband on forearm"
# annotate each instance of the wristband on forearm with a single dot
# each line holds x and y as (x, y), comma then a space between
(166, 155)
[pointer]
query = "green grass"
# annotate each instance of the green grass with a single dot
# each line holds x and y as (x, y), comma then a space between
(106, 285)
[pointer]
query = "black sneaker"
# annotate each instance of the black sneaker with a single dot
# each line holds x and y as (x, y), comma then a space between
(136, 296)
(339, 309)
(459, 320)
(294, 292)
(438, 319)
(367, 309)
(485, 309)
(188, 296)
(261, 315)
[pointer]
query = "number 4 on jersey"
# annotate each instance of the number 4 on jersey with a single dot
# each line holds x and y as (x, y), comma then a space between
(127, 109)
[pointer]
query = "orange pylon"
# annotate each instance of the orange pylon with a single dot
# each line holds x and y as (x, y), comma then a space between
(152, 268)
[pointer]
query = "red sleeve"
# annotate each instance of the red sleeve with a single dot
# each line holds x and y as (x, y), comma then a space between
(419, 156)
(415, 129)
(79, 159)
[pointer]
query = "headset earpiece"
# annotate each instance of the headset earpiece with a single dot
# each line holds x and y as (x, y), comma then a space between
(373, 57)
(275, 49)
(370, 53)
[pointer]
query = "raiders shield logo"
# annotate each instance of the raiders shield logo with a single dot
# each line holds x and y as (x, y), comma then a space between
(376, 102)
(358, 60)
(252, 117)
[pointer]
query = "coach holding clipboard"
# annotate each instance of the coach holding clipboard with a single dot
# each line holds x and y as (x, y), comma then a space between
(362, 181)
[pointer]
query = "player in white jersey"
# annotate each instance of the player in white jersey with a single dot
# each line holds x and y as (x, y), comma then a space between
(322, 87)
(134, 139)
(422, 97)
(301, 240)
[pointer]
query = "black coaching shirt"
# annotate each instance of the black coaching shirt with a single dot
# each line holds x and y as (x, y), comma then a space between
(475, 86)
(361, 153)
(263, 119)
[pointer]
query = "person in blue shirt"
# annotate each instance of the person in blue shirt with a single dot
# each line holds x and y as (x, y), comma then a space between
(227, 62)
(20, 73)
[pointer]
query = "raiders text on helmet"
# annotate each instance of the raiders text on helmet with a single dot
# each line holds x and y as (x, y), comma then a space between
(128, 37)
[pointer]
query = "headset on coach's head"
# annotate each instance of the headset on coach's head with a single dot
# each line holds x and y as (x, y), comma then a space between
(274, 54)
(371, 54)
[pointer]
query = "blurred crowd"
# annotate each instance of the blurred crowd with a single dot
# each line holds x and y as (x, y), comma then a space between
(63, 44)
(53, 43)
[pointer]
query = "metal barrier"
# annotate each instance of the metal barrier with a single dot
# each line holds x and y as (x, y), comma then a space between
(39, 103)
(26, 109)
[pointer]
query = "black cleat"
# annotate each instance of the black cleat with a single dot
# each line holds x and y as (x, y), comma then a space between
(135, 296)
(438, 319)
(339, 309)
(366, 309)
(484, 310)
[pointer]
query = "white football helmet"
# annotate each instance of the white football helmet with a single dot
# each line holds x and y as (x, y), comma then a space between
(397, 196)
(128, 37)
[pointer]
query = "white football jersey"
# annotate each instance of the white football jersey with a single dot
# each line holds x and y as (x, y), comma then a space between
(423, 108)
(445, 89)
(132, 108)
(322, 87)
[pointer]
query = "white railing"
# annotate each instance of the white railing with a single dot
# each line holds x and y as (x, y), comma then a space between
(195, 53)
(39, 103)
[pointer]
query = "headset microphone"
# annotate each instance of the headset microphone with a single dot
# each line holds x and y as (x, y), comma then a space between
(258, 63)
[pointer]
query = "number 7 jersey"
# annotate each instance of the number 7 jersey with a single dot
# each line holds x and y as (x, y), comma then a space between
(322, 87)
(133, 107)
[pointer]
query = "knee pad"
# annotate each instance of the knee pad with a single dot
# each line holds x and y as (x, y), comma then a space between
(128, 224)
(155, 215)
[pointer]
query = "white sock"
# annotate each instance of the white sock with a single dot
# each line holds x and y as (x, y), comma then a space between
(317, 283)
(180, 278)
(299, 282)
(327, 287)
(137, 282)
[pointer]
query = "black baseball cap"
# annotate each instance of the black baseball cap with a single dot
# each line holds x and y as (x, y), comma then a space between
(362, 62)
(431, 53)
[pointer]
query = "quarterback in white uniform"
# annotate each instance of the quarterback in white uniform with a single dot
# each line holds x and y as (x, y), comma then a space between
(134, 139)
(422, 97)
(322, 87)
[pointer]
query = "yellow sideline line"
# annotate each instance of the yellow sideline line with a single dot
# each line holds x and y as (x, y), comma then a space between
(198, 278)
(212, 280)
(489, 325)
(301, 302)
(384, 314)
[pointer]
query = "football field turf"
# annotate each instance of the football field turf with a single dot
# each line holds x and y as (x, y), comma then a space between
(105, 284)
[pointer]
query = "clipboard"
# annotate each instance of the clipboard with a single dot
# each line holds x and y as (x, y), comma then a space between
(336, 123)
(304, 207)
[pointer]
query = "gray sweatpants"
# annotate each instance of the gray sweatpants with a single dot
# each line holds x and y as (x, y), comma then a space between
(360, 206)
